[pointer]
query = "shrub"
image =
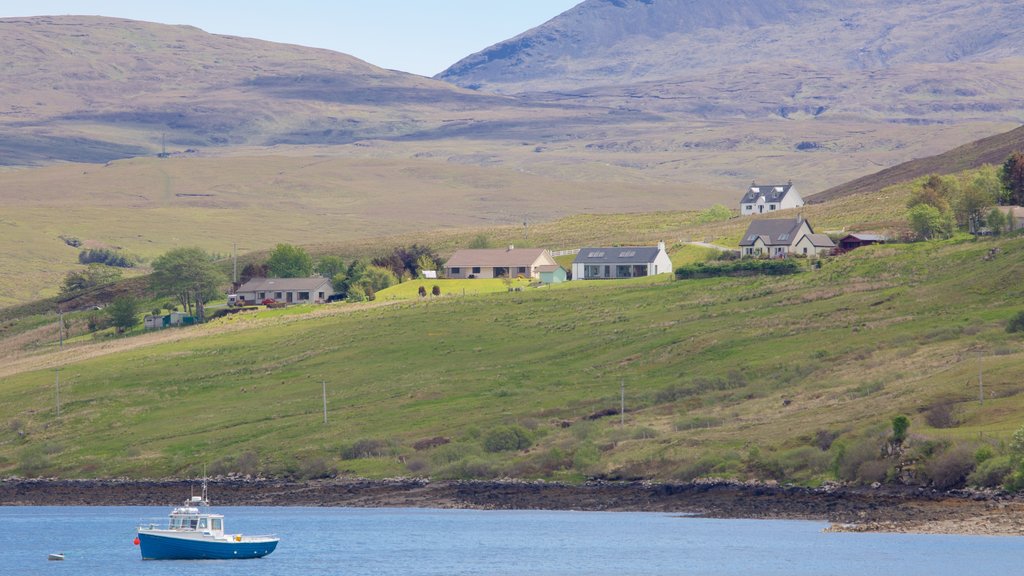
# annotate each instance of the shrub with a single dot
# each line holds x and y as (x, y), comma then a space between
(899, 428)
(436, 290)
(585, 456)
(950, 469)
(1016, 323)
(847, 458)
(991, 472)
(507, 438)
(744, 267)
(366, 448)
(316, 468)
(106, 257)
(941, 416)
(450, 453)
(423, 291)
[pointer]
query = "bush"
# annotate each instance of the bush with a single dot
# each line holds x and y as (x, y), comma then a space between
(950, 469)
(507, 438)
(436, 290)
(991, 472)
(900, 424)
(744, 267)
(941, 416)
(106, 257)
(1016, 323)
(367, 448)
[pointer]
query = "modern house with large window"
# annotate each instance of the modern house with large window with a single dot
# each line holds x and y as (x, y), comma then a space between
(621, 262)
(510, 262)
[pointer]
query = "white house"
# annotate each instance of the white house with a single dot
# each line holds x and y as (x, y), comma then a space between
(621, 262)
(814, 245)
(762, 199)
(775, 238)
(290, 290)
(490, 263)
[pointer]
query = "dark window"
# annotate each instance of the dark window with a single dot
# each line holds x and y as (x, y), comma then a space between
(303, 295)
(277, 295)
(522, 270)
(456, 271)
(476, 269)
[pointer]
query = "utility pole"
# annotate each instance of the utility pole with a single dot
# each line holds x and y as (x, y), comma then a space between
(57, 373)
(234, 263)
(60, 320)
(981, 386)
(622, 402)
(324, 383)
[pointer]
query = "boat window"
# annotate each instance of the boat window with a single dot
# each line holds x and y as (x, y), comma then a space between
(215, 523)
(192, 522)
(202, 523)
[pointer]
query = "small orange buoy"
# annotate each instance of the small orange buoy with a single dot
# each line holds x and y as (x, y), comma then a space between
(136, 541)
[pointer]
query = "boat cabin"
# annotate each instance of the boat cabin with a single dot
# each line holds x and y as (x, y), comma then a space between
(189, 518)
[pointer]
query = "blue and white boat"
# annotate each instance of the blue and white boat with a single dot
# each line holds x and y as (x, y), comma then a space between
(193, 533)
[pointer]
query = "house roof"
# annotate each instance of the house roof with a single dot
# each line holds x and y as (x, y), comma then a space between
(820, 240)
(617, 255)
(282, 284)
(864, 237)
(549, 268)
(771, 192)
(490, 258)
(774, 232)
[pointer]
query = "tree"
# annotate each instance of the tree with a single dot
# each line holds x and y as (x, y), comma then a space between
(927, 222)
(1016, 323)
(77, 281)
(423, 291)
(900, 424)
(124, 313)
(936, 191)
(1012, 177)
(253, 270)
(375, 279)
(190, 275)
(330, 266)
(287, 261)
(996, 220)
(409, 261)
(971, 206)
(436, 290)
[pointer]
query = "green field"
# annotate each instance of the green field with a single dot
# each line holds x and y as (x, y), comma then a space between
(721, 376)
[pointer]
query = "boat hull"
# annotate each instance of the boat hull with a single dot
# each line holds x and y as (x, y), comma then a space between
(189, 547)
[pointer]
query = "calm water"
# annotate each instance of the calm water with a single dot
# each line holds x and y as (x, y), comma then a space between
(382, 542)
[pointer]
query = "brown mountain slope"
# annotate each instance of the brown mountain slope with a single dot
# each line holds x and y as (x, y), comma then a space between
(991, 150)
(93, 89)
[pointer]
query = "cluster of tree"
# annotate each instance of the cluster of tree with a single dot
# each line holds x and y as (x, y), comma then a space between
(409, 262)
(191, 276)
(95, 275)
(944, 203)
(106, 257)
(361, 281)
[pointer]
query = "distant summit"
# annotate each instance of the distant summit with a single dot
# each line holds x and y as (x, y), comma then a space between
(612, 42)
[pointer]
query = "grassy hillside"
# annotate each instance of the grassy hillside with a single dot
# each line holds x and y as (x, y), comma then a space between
(727, 376)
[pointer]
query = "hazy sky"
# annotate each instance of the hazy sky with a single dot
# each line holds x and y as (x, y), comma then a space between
(419, 36)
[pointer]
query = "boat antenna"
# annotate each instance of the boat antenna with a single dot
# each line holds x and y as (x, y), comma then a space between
(204, 486)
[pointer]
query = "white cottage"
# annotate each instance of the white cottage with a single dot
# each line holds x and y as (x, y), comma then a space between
(775, 238)
(762, 199)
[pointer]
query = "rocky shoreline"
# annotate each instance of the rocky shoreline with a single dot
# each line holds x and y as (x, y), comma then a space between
(884, 509)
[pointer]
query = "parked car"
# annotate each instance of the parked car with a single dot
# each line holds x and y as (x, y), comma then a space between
(268, 301)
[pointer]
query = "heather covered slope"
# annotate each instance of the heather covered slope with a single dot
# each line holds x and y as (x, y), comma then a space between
(91, 89)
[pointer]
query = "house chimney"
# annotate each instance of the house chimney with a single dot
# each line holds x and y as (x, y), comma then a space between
(661, 245)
